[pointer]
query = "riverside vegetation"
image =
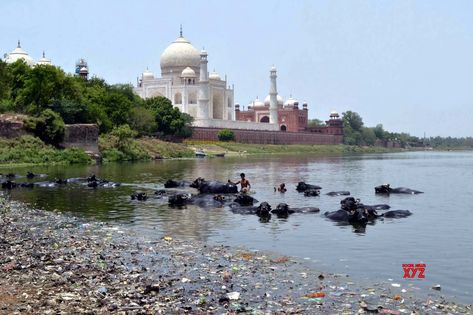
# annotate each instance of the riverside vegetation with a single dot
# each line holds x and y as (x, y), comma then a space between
(130, 125)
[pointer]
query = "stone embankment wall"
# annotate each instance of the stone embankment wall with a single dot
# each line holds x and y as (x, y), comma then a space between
(84, 136)
(268, 137)
(390, 144)
(11, 126)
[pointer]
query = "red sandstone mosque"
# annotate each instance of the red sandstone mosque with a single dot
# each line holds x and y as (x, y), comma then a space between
(287, 115)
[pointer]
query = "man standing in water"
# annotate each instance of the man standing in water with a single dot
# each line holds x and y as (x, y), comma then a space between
(245, 184)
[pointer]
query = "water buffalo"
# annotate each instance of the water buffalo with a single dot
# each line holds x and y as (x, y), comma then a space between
(201, 200)
(213, 187)
(312, 193)
(351, 203)
(283, 210)
(141, 196)
(338, 193)
(396, 214)
(302, 186)
(94, 182)
(386, 189)
(178, 200)
(31, 175)
(357, 216)
(9, 184)
(175, 184)
(245, 200)
(9, 175)
(263, 210)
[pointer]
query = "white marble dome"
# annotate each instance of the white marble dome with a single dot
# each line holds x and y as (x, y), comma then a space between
(278, 97)
(214, 76)
(256, 103)
(44, 61)
(179, 55)
(290, 102)
(188, 73)
(147, 75)
(19, 54)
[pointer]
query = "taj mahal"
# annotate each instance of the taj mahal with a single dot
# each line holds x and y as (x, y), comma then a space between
(207, 97)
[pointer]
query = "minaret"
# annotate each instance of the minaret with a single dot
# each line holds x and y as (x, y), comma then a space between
(273, 98)
(203, 101)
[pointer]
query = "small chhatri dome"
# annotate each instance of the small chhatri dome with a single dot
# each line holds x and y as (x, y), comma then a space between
(17, 54)
(256, 103)
(146, 75)
(290, 102)
(44, 61)
(188, 73)
(279, 98)
(83, 70)
(334, 114)
(179, 55)
(214, 76)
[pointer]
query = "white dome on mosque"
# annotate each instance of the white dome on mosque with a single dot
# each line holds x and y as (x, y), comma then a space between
(214, 76)
(256, 103)
(146, 75)
(279, 98)
(44, 61)
(290, 102)
(180, 54)
(188, 73)
(19, 54)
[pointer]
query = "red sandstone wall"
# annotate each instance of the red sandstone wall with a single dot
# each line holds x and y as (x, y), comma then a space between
(268, 137)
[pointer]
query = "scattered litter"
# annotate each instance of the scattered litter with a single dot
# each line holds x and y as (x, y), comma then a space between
(233, 295)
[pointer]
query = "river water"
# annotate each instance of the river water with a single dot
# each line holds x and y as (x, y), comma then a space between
(439, 233)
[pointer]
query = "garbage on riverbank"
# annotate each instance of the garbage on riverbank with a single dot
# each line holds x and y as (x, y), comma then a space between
(54, 263)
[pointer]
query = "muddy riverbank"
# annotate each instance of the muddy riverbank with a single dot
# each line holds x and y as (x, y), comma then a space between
(59, 264)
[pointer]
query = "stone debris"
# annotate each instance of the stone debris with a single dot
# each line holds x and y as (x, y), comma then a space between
(53, 263)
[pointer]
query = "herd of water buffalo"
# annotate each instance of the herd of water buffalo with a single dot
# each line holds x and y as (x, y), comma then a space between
(217, 194)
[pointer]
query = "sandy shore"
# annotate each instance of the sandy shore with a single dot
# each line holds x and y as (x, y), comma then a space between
(53, 263)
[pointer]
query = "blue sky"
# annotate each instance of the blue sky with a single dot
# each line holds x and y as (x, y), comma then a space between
(405, 64)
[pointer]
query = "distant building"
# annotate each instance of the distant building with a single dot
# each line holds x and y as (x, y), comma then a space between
(287, 115)
(20, 54)
(82, 69)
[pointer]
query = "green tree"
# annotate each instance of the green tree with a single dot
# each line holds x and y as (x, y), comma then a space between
(43, 85)
(124, 136)
(352, 128)
(49, 127)
(226, 135)
(315, 123)
(352, 120)
(5, 81)
(19, 72)
(379, 131)
(170, 121)
(143, 121)
(368, 135)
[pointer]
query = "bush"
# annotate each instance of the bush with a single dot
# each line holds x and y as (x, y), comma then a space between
(49, 127)
(226, 135)
(28, 149)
